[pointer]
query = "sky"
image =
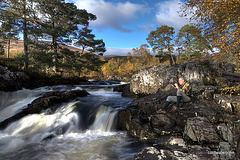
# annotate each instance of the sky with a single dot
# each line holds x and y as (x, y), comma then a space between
(125, 24)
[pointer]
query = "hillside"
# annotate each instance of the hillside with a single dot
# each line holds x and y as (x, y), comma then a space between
(16, 47)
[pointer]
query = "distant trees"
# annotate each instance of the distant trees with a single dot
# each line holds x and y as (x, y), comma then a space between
(20, 14)
(139, 58)
(8, 31)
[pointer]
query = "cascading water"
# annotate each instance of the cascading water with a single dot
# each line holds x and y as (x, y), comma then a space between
(81, 129)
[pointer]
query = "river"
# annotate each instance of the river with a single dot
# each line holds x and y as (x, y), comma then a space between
(82, 129)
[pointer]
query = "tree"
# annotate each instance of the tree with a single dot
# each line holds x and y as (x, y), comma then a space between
(219, 21)
(192, 43)
(8, 30)
(59, 20)
(22, 13)
(85, 40)
(161, 39)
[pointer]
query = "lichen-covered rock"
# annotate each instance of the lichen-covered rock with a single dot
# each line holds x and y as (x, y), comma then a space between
(229, 132)
(229, 103)
(152, 153)
(149, 80)
(199, 129)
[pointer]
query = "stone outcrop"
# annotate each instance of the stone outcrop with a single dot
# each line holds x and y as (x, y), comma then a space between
(11, 81)
(42, 103)
(208, 126)
(149, 80)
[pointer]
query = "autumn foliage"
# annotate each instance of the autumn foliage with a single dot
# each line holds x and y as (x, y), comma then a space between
(139, 58)
(220, 23)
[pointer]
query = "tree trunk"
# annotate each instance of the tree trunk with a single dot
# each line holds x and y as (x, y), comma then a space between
(25, 39)
(54, 57)
(8, 48)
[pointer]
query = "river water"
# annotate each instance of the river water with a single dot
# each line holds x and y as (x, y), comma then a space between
(82, 129)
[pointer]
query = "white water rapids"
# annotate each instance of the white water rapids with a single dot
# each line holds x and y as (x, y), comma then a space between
(82, 129)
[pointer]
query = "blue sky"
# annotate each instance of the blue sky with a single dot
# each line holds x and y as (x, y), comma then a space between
(125, 24)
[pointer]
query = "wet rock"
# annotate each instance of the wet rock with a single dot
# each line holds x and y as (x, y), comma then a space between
(199, 129)
(119, 88)
(42, 103)
(11, 81)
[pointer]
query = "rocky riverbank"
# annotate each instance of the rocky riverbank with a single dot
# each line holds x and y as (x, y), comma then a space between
(16, 80)
(208, 127)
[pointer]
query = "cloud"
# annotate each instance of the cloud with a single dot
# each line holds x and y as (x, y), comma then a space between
(120, 51)
(167, 13)
(113, 15)
(117, 51)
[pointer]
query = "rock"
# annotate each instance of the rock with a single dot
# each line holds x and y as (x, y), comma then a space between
(151, 153)
(229, 132)
(199, 129)
(119, 88)
(11, 81)
(43, 103)
(163, 121)
(229, 103)
(149, 80)
(176, 141)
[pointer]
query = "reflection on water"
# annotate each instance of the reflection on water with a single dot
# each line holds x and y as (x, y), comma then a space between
(82, 129)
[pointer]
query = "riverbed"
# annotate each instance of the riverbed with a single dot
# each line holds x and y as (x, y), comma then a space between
(81, 129)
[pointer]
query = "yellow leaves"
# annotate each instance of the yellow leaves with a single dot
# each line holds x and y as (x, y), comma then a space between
(140, 58)
(231, 90)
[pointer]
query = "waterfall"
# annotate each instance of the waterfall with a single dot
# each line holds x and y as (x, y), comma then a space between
(82, 129)
(104, 120)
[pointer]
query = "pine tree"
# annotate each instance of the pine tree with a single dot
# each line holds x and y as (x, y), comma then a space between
(8, 31)
(194, 45)
(59, 20)
(85, 40)
(21, 12)
(161, 39)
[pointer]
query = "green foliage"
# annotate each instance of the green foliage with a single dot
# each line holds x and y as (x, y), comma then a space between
(192, 45)
(161, 40)
(85, 40)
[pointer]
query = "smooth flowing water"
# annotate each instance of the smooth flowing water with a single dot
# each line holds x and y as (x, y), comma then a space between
(82, 129)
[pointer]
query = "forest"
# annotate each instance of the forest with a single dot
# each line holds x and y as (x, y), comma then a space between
(49, 25)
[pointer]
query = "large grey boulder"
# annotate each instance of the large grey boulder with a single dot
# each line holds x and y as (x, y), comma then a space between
(149, 80)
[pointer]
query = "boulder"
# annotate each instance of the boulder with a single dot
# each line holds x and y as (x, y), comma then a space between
(152, 153)
(11, 81)
(202, 72)
(199, 129)
(229, 132)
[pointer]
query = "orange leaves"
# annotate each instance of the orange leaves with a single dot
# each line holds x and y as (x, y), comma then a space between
(139, 58)
(220, 23)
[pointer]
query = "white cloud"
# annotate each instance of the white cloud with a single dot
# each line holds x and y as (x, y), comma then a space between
(120, 51)
(117, 51)
(113, 15)
(168, 14)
